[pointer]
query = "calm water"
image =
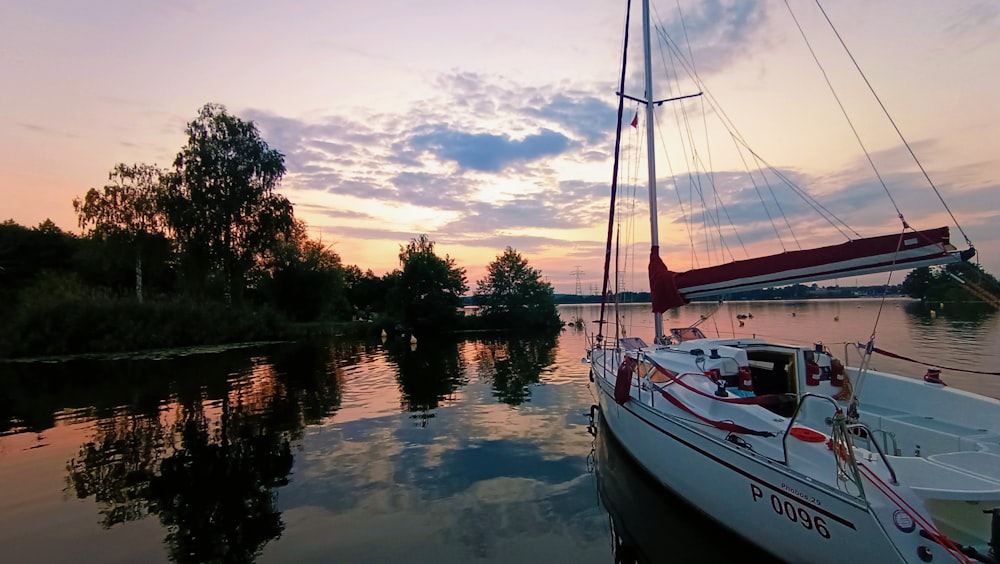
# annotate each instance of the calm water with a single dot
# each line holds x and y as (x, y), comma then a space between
(471, 450)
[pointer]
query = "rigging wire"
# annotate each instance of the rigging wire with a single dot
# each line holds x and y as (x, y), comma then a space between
(763, 205)
(727, 122)
(703, 173)
(631, 213)
(893, 122)
(685, 216)
(614, 177)
(843, 110)
(878, 316)
(777, 203)
(710, 168)
(680, 117)
(828, 216)
(885, 111)
(697, 172)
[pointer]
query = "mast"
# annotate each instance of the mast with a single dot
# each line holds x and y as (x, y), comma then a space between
(650, 149)
(614, 179)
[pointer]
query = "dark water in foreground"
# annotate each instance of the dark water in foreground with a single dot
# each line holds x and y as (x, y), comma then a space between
(470, 450)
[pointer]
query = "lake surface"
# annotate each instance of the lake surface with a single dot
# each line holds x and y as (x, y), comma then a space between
(477, 449)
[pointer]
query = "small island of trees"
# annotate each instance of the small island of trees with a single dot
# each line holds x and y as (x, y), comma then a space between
(208, 252)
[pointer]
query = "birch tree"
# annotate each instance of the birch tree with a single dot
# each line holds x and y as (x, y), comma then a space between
(126, 206)
(221, 201)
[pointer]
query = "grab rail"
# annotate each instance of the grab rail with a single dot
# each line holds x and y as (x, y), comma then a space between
(868, 434)
(842, 436)
(795, 415)
(886, 437)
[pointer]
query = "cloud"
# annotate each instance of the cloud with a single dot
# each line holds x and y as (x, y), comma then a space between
(45, 130)
(589, 117)
(456, 160)
(465, 464)
(488, 152)
(335, 213)
(717, 30)
(425, 189)
(493, 155)
(546, 210)
(974, 23)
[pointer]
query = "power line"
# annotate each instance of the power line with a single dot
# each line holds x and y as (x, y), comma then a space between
(579, 287)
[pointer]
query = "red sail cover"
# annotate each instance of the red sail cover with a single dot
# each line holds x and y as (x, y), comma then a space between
(854, 258)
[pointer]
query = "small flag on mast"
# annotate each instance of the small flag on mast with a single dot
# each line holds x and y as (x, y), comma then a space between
(635, 120)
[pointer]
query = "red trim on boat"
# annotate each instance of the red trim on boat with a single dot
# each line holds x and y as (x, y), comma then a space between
(868, 255)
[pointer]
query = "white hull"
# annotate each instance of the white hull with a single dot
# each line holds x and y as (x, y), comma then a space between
(789, 502)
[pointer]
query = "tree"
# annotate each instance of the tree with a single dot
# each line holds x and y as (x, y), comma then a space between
(220, 200)
(365, 291)
(918, 282)
(306, 280)
(126, 208)
(514, 295)
(954, 282)
(427, 293)
(26, 254)
(975, 274)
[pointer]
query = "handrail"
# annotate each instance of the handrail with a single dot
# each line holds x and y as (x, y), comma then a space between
(839, 435)
(868, 432)
(795, 414)
(886, 437)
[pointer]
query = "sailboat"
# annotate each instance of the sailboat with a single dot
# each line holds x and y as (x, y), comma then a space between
(811, 457)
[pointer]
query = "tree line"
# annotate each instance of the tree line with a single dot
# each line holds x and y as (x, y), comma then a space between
(208, 251)
(951, 283)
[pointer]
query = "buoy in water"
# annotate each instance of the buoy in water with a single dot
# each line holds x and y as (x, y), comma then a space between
(413, 339)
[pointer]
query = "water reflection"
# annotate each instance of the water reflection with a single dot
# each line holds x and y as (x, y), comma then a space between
(308, 451)
(313, 374)
(649, 524)
(206, 459)
(37, 395)
(203, 443)
(514, 364)
(961, 314)
(427, 373)
(209, 483)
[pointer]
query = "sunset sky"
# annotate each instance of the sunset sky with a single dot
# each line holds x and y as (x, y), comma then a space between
(491, 124)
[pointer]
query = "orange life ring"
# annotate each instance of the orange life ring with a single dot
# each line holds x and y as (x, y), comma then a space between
(808, 435)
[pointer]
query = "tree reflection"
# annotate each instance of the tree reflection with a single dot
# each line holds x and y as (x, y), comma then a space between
(428, 373)
(214, 493)
(312, 372)
(959, 314)
(207, 462)
(514, 364)
(116, 466)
